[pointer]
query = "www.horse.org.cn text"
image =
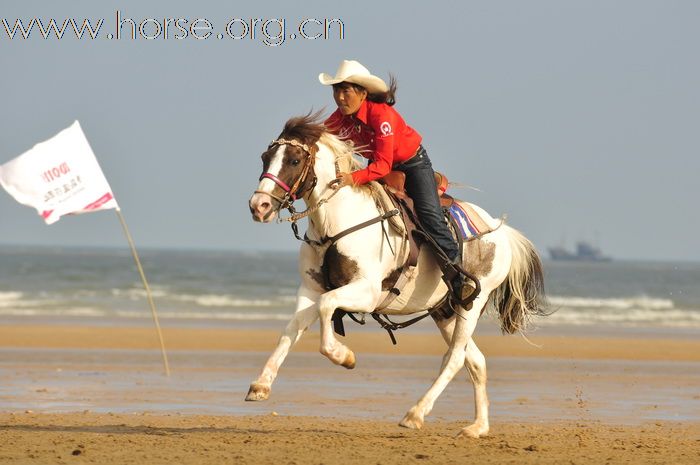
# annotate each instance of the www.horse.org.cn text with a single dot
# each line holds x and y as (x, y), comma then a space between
(271, 32)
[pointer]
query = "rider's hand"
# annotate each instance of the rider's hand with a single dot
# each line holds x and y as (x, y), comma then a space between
(344, 179)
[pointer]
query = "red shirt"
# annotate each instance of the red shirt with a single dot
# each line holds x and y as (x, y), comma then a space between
(379, 128)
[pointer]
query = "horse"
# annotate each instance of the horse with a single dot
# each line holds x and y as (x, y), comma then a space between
(341, 270)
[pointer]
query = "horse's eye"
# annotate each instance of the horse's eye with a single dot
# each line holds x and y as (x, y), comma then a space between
(295, 162)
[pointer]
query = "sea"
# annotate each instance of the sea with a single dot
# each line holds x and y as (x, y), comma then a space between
(87, 286)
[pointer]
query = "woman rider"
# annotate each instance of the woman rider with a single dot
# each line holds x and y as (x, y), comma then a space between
(366, 116)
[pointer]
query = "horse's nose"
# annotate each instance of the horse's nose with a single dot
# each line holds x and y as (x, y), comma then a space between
(263, 209)
(260, 208)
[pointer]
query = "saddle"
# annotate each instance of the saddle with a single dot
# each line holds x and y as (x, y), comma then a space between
(396, 182)
(465, 222)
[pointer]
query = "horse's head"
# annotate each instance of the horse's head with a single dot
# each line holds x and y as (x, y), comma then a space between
(288, 168)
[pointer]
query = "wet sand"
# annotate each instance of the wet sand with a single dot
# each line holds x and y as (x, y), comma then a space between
(97, 394)
(550, 344)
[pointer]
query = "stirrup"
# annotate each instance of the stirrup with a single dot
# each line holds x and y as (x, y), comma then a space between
(459, 285)
(463, 291)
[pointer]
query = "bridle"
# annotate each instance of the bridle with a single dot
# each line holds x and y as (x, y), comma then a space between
(291, 193)
(295, 191)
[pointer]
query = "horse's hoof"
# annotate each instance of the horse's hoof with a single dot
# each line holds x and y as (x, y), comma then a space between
(258, 392)
(411, 420)
(474, 431)
(349, 361)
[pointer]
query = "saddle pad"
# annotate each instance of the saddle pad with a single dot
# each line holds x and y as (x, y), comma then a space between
(470, 223)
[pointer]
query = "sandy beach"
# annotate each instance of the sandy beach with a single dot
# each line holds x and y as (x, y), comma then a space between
(98, 395)
(93, 438)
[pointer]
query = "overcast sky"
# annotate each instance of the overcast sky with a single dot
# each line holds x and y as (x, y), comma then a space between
(577, 119)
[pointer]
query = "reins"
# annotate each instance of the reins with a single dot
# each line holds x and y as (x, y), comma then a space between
(296, 216)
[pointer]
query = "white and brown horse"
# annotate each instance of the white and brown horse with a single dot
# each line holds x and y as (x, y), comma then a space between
(302, 163)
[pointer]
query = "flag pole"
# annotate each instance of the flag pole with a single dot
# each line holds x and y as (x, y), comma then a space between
(148, 289)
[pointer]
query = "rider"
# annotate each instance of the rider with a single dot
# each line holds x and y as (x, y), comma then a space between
(366, 116)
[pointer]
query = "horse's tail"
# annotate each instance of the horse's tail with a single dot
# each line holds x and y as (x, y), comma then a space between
(521, 295)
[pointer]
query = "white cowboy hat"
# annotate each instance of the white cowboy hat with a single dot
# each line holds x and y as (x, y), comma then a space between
(353, 71)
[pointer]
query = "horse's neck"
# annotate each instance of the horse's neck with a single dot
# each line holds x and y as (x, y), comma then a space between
(347, 208)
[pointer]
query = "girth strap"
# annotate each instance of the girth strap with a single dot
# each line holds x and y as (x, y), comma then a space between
(383, 320)
(392, 326)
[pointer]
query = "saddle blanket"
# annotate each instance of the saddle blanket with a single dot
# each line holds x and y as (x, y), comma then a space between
(469, 222)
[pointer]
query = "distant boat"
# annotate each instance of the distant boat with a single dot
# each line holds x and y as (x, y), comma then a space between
(585, 252)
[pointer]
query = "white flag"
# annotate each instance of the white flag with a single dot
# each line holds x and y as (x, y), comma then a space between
(58, 177)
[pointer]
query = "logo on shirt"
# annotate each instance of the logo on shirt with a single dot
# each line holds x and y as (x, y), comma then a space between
(385, 128)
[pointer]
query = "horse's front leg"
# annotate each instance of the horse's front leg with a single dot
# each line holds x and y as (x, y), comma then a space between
(305, 315)
(357, 296)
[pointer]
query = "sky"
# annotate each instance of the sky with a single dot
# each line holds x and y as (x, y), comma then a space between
(576, 119)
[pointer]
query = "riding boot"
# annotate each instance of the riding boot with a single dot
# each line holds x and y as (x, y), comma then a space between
(462, 288)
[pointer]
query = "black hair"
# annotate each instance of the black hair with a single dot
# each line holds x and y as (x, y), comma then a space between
(388, 97)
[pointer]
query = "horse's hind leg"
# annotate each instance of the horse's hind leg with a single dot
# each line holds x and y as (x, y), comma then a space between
(457, 333)
(306, 313)
(475, 363)
(452, 363)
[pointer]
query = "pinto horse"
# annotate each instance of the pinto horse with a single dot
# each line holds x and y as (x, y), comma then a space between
(347, 273)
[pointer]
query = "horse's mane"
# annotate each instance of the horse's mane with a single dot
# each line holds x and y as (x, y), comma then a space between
(310, 129)
(307, 128)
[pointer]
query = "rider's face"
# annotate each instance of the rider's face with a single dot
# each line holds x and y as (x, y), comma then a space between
(348, 97)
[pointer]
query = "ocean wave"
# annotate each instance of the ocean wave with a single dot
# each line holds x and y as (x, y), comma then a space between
(619, 303)
(74, 312)
(674, 318)
(205, 300)
(91, 312)
(227, 300)
(19, 303)
(630, 311)
(252, 316)
(138, 293)
(11, 296)
(570, 310)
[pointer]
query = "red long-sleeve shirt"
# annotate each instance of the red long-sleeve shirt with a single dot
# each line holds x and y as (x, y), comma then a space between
(381, 130)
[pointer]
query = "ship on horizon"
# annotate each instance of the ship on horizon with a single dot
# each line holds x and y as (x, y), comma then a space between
(584, 252)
